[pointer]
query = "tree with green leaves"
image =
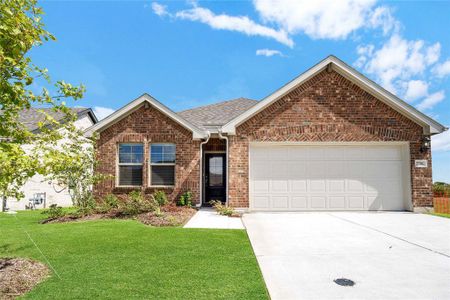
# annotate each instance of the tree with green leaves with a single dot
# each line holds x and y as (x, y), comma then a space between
(21, 29)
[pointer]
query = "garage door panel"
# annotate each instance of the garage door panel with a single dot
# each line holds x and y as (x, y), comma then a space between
(298, 154)
(278, 154)
(299, 185)
(334, 153)
(279, 202)
(354, 185)
(354, 153)
(317, 185)
(279, 170)
(354, 169)
(336, 185)
(316, 169)
(261, 202)
(279, 186)
(316, 153)
(356, 202)
(384, 153)
(259, 170)
(337, 177)
(261, 185)
(335, 169)
(336, 202)
(299, 202)
(297, 170)
(318, 202)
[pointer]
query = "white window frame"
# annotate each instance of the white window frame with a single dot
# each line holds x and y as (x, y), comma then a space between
(119, 164)
(150, 164)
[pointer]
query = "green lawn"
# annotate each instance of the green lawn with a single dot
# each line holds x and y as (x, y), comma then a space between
(128, 260)
(441, 215)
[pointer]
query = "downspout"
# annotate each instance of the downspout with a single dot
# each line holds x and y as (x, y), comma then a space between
(226, 162)
(201, 168)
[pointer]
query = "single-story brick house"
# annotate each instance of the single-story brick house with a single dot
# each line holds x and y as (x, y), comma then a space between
(330, 139)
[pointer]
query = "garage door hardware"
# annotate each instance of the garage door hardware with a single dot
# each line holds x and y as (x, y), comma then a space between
(344, 282)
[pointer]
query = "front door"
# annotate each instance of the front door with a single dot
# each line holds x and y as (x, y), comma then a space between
(215, 177)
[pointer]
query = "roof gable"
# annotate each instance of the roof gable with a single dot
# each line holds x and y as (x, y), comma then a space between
(430, 126)
(118, 115)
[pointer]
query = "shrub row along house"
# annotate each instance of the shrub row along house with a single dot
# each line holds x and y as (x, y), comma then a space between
(330, 139)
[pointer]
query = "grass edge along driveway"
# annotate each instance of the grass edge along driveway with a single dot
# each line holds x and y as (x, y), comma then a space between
(128, 260)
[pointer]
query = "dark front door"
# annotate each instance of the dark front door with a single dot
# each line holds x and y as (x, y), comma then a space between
(215, 177)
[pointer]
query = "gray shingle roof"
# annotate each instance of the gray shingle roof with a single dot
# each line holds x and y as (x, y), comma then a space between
(31, 117)
(217, 113)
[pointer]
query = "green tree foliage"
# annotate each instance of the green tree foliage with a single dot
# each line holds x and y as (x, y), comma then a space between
(21, 29)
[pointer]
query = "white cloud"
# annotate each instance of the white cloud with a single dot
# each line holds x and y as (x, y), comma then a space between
(441, 142)
(443, 69)
(431, 100)
(397, 61)
(268, 52)
(102, 112)
(234, 23)
(159, 9)
(416, 89)
(382, 17)
(324, 19)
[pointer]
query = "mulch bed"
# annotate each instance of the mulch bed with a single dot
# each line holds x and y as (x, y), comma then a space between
(171, 215)
(20, 275)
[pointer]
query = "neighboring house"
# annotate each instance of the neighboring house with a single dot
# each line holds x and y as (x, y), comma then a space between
(54, 194)
(330, 139)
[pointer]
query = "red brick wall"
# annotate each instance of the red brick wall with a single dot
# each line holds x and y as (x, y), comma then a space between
(147, 125)
(215, 144)
(328, 107)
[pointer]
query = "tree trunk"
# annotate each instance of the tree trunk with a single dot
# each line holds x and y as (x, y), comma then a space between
(3, 204)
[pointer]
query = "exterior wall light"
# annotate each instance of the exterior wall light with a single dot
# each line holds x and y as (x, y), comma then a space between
(426, 144)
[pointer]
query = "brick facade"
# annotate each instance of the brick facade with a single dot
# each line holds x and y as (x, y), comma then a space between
(147, 125)
(326, 108)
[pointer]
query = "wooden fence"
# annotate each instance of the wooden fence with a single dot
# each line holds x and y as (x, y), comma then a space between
(441, 202)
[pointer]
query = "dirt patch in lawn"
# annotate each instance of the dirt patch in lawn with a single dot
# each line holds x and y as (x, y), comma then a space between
(20, 275)
(170, 216)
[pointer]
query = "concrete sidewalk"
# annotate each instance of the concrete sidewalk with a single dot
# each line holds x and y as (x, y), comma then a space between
(208, 218)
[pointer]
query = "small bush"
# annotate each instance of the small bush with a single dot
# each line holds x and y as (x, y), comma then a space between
(108, 203)
(185, 199)
(136, 204)
(222, 209)
(111, 201)
(54, 211)
(160, 198)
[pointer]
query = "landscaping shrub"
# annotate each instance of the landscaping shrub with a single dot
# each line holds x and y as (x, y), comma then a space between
(222, 209)
(441, 188)
(160, 198)
(135, 203)
(54, 211)
(108, 203)
(185, 199)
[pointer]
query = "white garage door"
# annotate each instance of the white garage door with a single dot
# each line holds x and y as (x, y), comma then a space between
(329, 177)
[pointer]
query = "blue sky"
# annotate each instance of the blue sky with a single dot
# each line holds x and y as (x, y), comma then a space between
(191, 53)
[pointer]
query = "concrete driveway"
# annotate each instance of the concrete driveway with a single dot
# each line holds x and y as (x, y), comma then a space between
(388, 255)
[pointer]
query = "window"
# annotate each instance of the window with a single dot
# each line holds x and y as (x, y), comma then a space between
(130, 164)
(162, 164)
